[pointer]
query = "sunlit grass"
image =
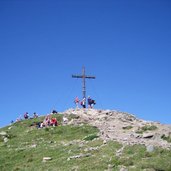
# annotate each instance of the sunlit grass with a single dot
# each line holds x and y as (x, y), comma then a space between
(27, 145)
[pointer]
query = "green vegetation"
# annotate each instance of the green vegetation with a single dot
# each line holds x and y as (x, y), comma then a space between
(127, 127)
(72, 116)
(71, 148)
(91, 137)
(138, 156)
(167, 138)
(146, 128)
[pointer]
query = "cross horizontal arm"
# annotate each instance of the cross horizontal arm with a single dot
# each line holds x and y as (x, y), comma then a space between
(77, 76)
(90, 77)
(81, 76)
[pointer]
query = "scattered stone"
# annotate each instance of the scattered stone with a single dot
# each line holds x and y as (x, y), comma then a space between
(5, 140)
(136, 135)
(104, 142)
(33, 146)
(148, 135)
(125, 139)
(91, 149)
(20, 149)
(119, 152)
(3, 133)
(45, 159)
(150, 148)
(79, 156)
(75, 168)
(110, 167)
(123, 169)
(151, 169)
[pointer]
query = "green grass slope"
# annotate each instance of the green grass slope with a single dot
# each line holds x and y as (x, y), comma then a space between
(72, 148)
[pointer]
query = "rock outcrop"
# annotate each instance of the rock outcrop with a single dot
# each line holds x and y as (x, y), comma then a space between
(122, 127)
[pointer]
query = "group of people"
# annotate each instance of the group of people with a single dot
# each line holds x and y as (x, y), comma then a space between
(48, 121)
(90, 102)
(26, 115)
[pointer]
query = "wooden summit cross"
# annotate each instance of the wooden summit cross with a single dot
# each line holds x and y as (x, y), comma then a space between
(83, 76)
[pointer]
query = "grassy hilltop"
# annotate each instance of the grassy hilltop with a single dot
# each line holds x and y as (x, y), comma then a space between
(72, 148)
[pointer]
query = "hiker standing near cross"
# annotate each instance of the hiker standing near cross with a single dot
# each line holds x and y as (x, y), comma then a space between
(83, 76)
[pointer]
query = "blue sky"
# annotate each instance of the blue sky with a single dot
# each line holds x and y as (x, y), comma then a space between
(125, 44)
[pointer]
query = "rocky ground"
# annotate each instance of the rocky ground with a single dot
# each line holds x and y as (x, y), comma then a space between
(122, 127)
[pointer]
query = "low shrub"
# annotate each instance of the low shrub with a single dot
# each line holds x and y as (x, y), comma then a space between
(167, 138)
(127, 127)
(90, 137)
(146, 128)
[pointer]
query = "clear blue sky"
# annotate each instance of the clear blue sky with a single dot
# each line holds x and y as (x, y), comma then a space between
(125, 44)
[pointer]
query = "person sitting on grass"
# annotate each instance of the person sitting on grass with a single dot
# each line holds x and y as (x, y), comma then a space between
(26, 115)
(46, 121)
(65, 120)
(35, 115)
(53, 122)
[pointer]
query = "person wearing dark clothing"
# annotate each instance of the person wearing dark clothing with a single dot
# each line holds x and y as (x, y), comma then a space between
(26, 115)
(91, 102)
(83, 102)
(54, 112)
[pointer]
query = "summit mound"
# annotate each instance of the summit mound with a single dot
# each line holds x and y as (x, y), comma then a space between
(90, 139)
(123, 127)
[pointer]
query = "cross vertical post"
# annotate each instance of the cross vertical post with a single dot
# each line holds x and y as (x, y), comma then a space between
(84, 85)
(83, 76)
